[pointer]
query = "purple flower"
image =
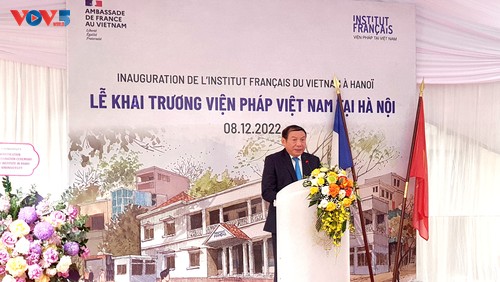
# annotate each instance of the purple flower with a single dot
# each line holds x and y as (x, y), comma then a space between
(71, 248)
(28, 214)
(43, 230)
(35, 248)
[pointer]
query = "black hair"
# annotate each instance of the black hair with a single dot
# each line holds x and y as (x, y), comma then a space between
(291, 128)
(164, 273)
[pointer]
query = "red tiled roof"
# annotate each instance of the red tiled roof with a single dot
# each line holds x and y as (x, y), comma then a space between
(182, 196)
(235, 231)
(236, 236)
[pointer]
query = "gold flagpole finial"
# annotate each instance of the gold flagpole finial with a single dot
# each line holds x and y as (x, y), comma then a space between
(422, 86)
(336, 84)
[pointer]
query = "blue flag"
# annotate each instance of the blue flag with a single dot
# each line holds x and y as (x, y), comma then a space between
(345, 157)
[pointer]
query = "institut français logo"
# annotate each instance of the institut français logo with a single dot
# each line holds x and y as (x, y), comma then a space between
(41, 17)
(371, 27)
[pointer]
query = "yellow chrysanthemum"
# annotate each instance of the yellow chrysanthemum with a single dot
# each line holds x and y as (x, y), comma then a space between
(346, 202)
(321, 181)
(332, 179)
(315, 172)
(330, 206)
(313, 190)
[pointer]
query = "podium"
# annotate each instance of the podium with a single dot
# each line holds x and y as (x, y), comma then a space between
(305, 254)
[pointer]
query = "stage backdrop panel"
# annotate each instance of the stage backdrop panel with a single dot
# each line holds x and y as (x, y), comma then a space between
(205, 87)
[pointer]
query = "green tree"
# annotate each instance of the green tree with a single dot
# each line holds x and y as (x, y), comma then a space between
(120, 171)
(209, 184)
(123, 234)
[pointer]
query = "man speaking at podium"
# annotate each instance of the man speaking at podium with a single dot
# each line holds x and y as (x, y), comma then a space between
(282, 168)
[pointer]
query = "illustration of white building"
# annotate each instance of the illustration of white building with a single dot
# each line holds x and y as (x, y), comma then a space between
(220, 235)
(378, 195)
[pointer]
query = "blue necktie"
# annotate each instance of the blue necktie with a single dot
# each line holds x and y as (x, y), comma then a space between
(297, 168)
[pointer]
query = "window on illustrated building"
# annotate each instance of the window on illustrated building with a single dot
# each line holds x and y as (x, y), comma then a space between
(170, 262)
(150, 267)
(194, 258)
(137, 267)
(169, 228)
(149, 232)
(121, 269)
(96, 222)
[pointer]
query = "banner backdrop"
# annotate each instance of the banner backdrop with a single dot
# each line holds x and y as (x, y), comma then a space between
(197, 87)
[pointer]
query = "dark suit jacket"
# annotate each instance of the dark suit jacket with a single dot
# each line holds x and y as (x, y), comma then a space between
(278, 173)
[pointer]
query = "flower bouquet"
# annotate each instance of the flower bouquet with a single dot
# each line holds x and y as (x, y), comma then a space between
(39, 240)
(332, 193)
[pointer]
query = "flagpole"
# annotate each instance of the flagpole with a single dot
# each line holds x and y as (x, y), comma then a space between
(395, 272)
(355, 179)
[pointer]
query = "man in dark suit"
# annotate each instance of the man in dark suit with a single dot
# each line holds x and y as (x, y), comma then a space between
(280, 169)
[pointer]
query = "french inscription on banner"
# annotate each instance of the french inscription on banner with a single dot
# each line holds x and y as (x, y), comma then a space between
(18, 159)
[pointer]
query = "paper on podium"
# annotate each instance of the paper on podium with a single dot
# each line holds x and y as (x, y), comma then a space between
(305, 254)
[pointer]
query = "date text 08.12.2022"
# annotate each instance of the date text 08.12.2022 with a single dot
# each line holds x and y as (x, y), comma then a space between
(252, 128)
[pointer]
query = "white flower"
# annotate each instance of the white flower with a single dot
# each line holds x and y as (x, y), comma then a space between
(323, 203)
(43, 208)
(325, 190)
(22, 246)
(321, 175)
(314, 182)
(4, 204)
(19, 228)
(341, 194)
(51, 271)
(8, 278)
(63, 264)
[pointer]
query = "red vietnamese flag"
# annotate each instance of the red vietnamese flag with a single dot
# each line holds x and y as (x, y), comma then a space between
(419, 171)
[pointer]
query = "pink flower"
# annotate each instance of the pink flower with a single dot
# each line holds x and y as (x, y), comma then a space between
(57, 218)
(86, 252)
(72, 212)
(8, 239)
(34, 271)
(4, 256)
(50, 256)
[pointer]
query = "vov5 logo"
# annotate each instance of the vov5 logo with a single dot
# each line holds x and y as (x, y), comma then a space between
(35, 17)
